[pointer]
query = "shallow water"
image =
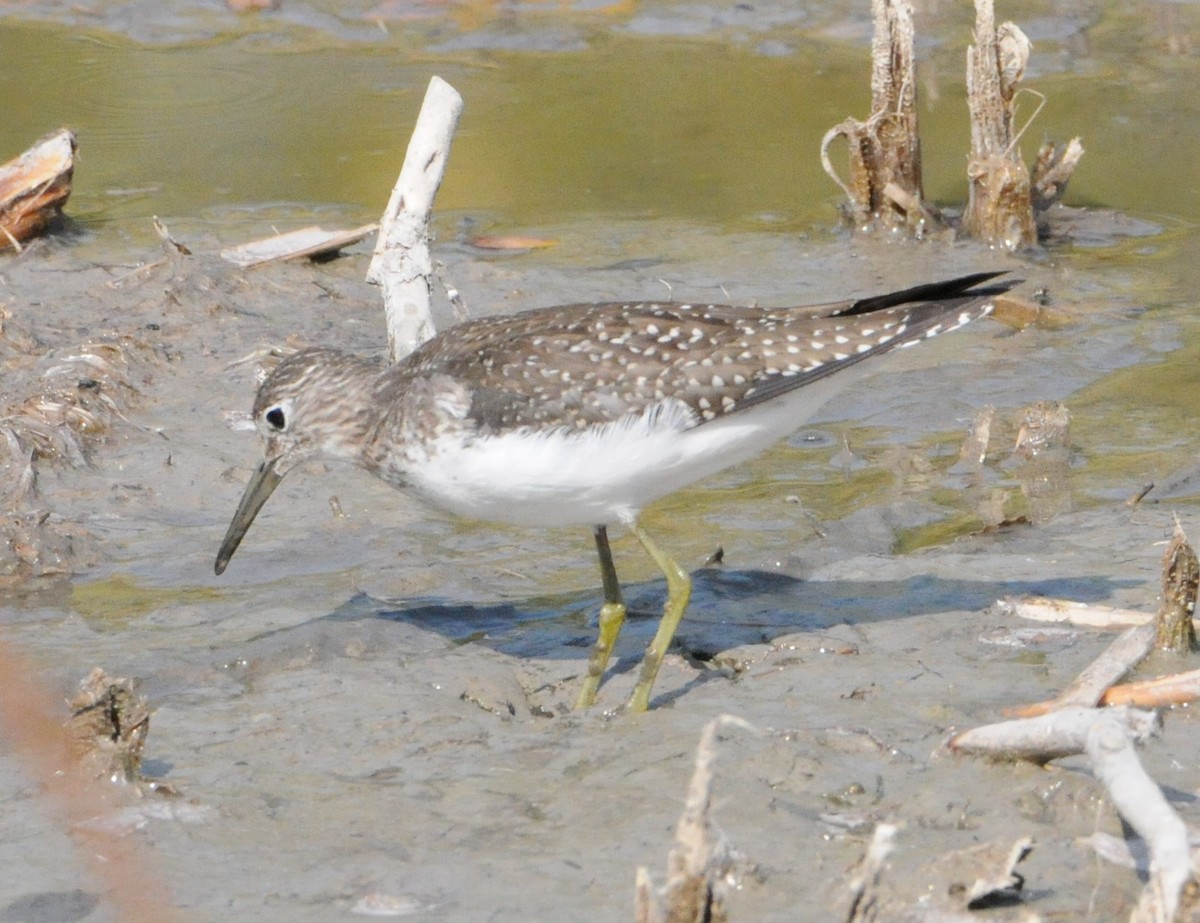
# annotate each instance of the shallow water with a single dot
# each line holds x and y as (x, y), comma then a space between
(357, 707)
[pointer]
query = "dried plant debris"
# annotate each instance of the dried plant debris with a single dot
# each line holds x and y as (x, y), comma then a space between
(53, 408)
(109, 723)
(950, 887)
(864, 881)
(984, 876)
(1175, 630)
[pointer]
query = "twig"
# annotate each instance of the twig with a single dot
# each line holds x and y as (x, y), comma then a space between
(864, 882)
(1126, 651)
(1176, 689)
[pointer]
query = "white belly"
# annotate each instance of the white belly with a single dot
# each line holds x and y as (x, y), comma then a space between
(603, 475)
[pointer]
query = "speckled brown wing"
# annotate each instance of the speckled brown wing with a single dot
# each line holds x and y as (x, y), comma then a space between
(584, 365)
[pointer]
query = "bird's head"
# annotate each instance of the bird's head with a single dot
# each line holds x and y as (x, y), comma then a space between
(317, 404)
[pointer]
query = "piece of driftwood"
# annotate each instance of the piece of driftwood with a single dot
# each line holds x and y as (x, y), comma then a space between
(1141, 803)
(1050, 736)
(884, 188)
(1045, 609)
(34, 187)
(401, 265)
(310, 241)
(699, 864)
(1175, 630)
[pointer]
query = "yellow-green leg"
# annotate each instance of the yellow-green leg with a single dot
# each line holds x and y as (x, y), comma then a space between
(612, 617)
(679, 591)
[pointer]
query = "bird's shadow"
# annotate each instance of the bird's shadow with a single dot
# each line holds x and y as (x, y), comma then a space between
(728, 608)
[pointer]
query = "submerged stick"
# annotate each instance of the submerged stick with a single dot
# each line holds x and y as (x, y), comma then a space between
(401, 264)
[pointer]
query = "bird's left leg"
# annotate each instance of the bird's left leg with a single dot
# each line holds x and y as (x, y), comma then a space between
(679, 591)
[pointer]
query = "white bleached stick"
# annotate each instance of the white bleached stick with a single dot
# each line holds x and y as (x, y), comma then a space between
(401, 264)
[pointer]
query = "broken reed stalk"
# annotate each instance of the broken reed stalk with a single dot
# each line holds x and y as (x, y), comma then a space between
(699, 863)
(884, 188)
(46, 751)
(401, 264)
(1000, 202)
(1175, 630)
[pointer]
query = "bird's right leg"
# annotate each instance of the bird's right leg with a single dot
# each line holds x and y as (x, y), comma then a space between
(612, 617)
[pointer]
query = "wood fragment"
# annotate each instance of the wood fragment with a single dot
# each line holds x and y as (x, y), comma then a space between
(34, 187)
(401, 264)
(1000, 204)
(310, 241)
(1045, 609)
(699, 863)
(885, 189)
(1051, 736)
(1175, 630)
(1141, 803)
(1052, 169)
(1160, 692)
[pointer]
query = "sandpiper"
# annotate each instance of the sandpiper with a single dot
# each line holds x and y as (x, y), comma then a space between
(585, 414)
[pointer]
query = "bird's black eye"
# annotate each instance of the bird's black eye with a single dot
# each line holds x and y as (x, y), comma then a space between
(275, 417)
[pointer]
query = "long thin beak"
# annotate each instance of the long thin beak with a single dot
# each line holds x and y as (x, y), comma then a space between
(262, 483)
